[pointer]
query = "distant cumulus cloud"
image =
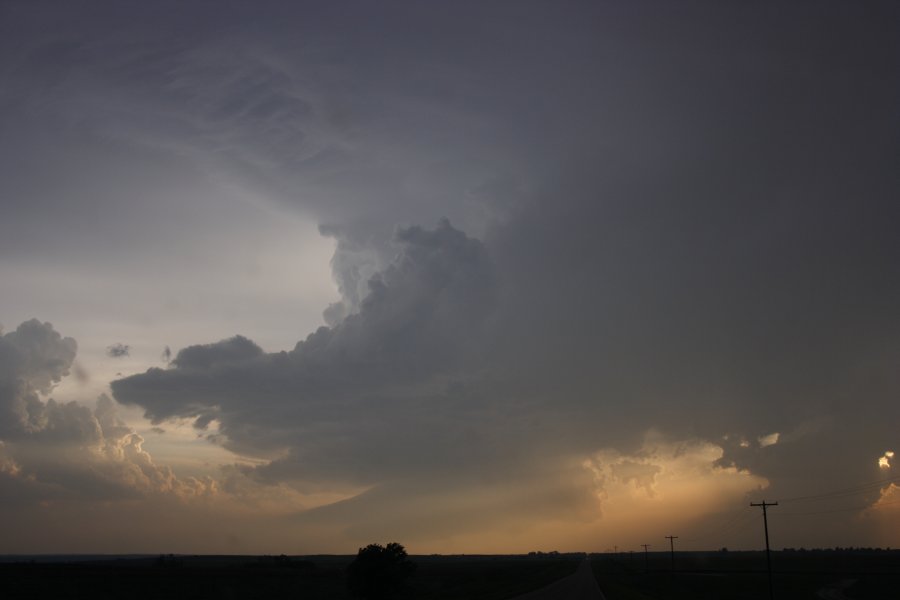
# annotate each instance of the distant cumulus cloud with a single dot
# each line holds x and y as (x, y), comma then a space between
(118, 350)
(59, 450)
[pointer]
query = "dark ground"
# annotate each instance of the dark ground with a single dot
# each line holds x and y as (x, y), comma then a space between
(297, 578)
(825, 575)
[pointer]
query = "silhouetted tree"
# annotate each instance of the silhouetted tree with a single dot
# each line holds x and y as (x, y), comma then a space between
(378, 572)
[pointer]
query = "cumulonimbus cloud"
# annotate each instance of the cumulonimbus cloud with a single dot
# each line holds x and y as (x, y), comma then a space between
(355, 402)
(670, 256)
(474, 359)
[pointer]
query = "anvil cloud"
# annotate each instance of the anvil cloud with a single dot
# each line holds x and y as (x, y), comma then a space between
(475, 276)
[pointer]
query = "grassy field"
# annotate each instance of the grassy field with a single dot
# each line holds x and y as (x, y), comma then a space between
(856, 575)
(297, 578)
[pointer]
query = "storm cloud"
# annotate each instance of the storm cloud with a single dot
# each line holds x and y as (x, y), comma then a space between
(358, 401)
(593, 268)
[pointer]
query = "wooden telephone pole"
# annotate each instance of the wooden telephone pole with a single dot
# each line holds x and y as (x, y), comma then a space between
(765, 504)
(672, 539)
(646, 560)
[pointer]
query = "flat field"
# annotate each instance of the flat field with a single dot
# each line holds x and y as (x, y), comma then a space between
(298, 578)
(834, 575)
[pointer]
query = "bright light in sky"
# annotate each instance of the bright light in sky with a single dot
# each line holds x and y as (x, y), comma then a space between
(885, 461)
(768, 440)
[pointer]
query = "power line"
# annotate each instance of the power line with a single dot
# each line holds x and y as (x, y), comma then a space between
(857, 489)
(742, 526)
(718, 530)
(837, 510)
(737, 521)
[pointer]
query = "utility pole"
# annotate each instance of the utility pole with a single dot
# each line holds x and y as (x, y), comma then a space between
(646, 560)
(672, 539)
(765, 504)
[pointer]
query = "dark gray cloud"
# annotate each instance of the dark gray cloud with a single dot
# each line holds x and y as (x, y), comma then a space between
(419, 325)
(237, 349)
(118, 350)
(707, 250)
(453, 384)
(705, 317)
(669, 217)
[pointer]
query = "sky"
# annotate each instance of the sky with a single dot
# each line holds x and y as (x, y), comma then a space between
(296, 277)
